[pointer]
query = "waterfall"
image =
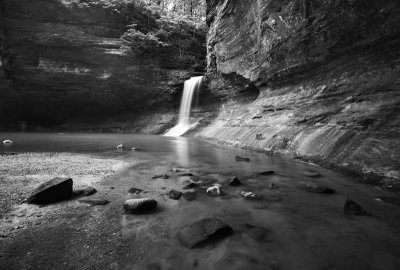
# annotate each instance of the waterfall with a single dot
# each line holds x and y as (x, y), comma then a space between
(191, 87)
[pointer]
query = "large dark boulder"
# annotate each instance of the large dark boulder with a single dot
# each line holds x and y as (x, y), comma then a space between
(54, 190)
(203, 230)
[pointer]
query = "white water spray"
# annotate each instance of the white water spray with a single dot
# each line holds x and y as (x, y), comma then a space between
(191, 86)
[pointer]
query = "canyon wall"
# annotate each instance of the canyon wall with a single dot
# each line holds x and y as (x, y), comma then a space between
(66, 61)
(315, 79)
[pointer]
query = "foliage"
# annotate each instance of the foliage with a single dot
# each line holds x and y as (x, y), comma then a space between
(166, 28)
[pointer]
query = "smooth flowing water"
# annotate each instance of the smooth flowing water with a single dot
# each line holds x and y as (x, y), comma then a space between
(191, 87)
(294, 229)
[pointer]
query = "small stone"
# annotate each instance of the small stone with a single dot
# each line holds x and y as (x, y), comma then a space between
(272, 186)
(174, 194)
(120, 147)
(311, 187)
(189, 196)
(89, 191)
(162, 176)
(353, 208)
(54, 190)
(249, 195)
(140, 205)
(203, 230)
(93, 202)
(135, 190)
(235, 182)
(267, 173)
(214, 190)
(191, 186)
(244, 159)
(258, 116)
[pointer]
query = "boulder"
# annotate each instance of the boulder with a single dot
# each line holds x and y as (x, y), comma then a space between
(235, 181)
(93, 202)
(353, 208)
(315, 188)
(54, 190)
(203, 230)
(244, 159)
(140, 205)
(174, 194)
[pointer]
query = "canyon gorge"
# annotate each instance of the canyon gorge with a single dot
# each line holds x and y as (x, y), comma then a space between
(316, 80)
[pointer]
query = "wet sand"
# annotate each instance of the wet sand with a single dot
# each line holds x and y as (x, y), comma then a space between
(300, 230)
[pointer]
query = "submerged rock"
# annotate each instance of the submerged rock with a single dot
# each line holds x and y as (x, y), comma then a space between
(267, 173)
(135, 190)
(235, 181)
(315, 188)
(203, 230)
(313, 174)
(94, 202)
(140, 205)
(353, 208)
(54, 190)
(191, 186)
(257, 233)
(162, 176)
(195, 178)
(174, 194)
(185, 174)
(189, 196)
(244, 159)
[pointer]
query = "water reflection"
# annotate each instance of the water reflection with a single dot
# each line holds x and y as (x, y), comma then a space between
(181, 149)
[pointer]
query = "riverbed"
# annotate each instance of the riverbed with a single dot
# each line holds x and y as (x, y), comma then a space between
(296, 229)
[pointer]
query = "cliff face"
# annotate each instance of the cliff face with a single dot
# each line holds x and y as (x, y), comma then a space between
(317, 79)
(67, 60)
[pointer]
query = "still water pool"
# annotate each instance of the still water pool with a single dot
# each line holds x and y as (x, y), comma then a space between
(296, 229)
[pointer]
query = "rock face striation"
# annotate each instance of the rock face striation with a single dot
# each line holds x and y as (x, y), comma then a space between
(65, 59)
(314, 79)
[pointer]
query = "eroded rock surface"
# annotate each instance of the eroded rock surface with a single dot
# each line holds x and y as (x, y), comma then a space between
(321, 77)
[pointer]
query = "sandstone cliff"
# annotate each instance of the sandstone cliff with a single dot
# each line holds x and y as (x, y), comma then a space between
(67, 61)
(317, 79)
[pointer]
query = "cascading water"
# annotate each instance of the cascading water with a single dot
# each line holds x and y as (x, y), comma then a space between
(191, 87)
